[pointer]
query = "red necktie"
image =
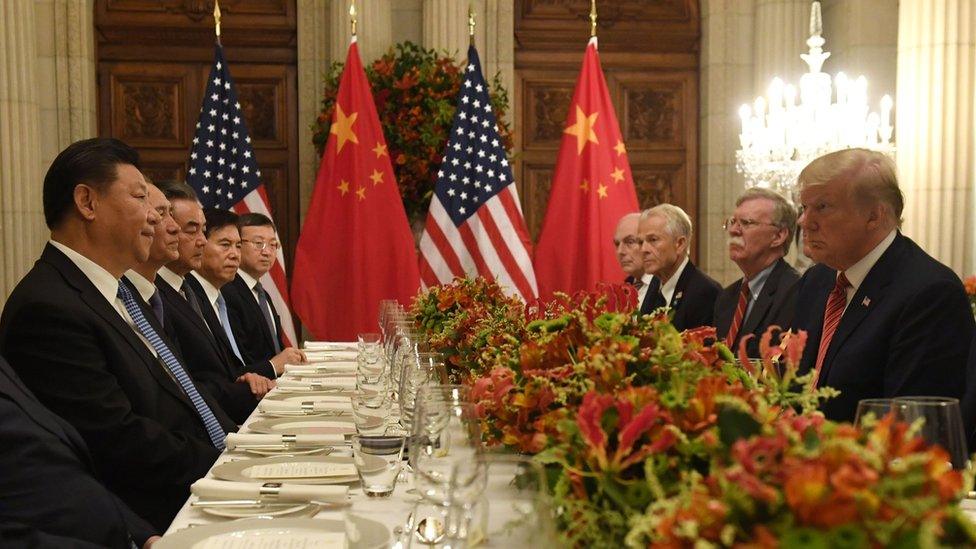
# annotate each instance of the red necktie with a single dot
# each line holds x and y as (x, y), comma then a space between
(739, 316)
(834, 310)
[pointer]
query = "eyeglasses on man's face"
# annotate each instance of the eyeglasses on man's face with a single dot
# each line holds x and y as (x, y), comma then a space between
(744, 224)
(260, 245)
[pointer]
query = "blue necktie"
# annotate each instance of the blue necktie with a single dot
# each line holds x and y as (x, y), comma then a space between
(209, 421)
(156, 303)
(225, 323)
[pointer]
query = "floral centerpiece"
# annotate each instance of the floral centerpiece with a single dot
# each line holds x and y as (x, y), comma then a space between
(415, 90)
(658, 438)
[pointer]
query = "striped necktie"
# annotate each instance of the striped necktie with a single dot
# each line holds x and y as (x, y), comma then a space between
(739, 316)
(836, 303)
(214, 429)
(225, 323)
(266, 311)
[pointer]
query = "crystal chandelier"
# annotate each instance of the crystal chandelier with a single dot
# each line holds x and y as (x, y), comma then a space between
(780, 136)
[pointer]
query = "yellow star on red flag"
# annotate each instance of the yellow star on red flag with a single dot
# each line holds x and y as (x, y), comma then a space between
(342, 128)
(583, 129)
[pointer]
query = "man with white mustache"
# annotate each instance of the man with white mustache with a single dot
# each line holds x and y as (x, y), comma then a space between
(759, 236)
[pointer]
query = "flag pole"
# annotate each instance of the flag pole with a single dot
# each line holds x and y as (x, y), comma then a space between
(352, 17)
(216, 14)
(592, 18)
(471, 23)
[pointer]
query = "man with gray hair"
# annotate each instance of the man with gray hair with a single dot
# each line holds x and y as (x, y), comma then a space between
(627, 244)
(665, 232)
(759, 236)
(883, 318)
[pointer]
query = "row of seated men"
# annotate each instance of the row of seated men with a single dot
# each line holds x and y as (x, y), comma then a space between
(883, 317)
(135, 343)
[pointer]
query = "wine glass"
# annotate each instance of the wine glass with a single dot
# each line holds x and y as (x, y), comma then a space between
(874, 408)
(941, 423)
(442, 436)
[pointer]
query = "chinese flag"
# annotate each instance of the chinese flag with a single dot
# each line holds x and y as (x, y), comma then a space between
(592, 189)
(356, 247)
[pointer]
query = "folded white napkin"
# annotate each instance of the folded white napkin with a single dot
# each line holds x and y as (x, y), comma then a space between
(321, 367)
(208, 488)
(302, 384)
(234, 439)
(332, 356)
(330, 345)
(296, 406)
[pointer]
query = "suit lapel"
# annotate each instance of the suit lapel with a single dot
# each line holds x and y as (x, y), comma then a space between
(97, 303)
(181, 308)
(246, 297)
(727, 302)
(765, 299)
(864, 300)
(678, 297)
(210, 317)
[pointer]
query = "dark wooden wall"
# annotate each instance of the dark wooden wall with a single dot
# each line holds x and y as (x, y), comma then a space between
(649, 53)
(154, 57)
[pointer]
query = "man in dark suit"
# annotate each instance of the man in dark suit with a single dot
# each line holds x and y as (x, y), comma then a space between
(665, 232)
(627, 246)
(253, 318)
(221, 259)
(237, 391)
(884, 318)
(44, 459)
(760, 234)
(79, 341)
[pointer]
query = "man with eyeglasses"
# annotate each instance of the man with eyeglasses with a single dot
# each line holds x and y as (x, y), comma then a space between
(626, 244)
(759, 236)
(665, 232)
(253, 317)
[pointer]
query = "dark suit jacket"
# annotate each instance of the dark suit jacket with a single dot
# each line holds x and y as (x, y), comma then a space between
(260, 367)
(205, 358)
(44, 459)
(906, 331)
(693, 301)
(774, 306)
(81, 359)
(254, 337)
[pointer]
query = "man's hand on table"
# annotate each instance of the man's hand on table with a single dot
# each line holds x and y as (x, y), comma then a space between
(290, 355)
(259, 384)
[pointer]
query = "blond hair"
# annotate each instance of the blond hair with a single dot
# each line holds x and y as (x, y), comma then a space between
(870, 173)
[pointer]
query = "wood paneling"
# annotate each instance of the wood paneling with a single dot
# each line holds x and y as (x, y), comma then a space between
(154, 58)
(649, 53)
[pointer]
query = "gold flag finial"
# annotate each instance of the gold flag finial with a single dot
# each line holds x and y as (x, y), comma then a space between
(216, 14)
(352, 16)
(592, 18)
(471, 21)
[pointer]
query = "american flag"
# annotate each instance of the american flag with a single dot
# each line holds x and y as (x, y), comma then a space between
(475, 225)
(225, 174)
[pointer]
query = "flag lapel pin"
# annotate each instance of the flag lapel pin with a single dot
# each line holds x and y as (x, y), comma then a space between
(866, 301)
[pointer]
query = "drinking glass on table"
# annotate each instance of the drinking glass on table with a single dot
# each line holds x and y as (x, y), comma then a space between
(941, 423)
(875, 408)
(371, 413)
(369, 347)
(514, 509)
(443, 435)
(378, 480)
(420, 369)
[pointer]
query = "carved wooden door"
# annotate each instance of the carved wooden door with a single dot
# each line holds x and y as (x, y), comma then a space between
(649, 53)
(154, 57)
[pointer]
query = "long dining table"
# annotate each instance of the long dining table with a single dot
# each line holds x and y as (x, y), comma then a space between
(390, 511)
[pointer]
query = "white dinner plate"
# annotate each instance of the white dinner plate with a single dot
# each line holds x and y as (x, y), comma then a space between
(362, 533)
(271, 452)
(270, 510)
(310, 426)
(241, 471)
(312, 396)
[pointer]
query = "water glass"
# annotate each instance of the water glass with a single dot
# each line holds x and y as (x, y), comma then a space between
(378, 481)
(369, 347)
(371, 413)
(514, 509)
(941, 424)
(874, 408)
(443, 436)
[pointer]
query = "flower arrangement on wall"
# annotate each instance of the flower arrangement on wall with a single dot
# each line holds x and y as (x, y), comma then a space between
(415, 90)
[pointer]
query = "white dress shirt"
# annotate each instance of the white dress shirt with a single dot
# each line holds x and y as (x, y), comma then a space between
(145, 288)
(171, 278)
(857, 272)
(667, 289)
(642, 291)
(106, 284)
(251, 283)
(212, 293)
